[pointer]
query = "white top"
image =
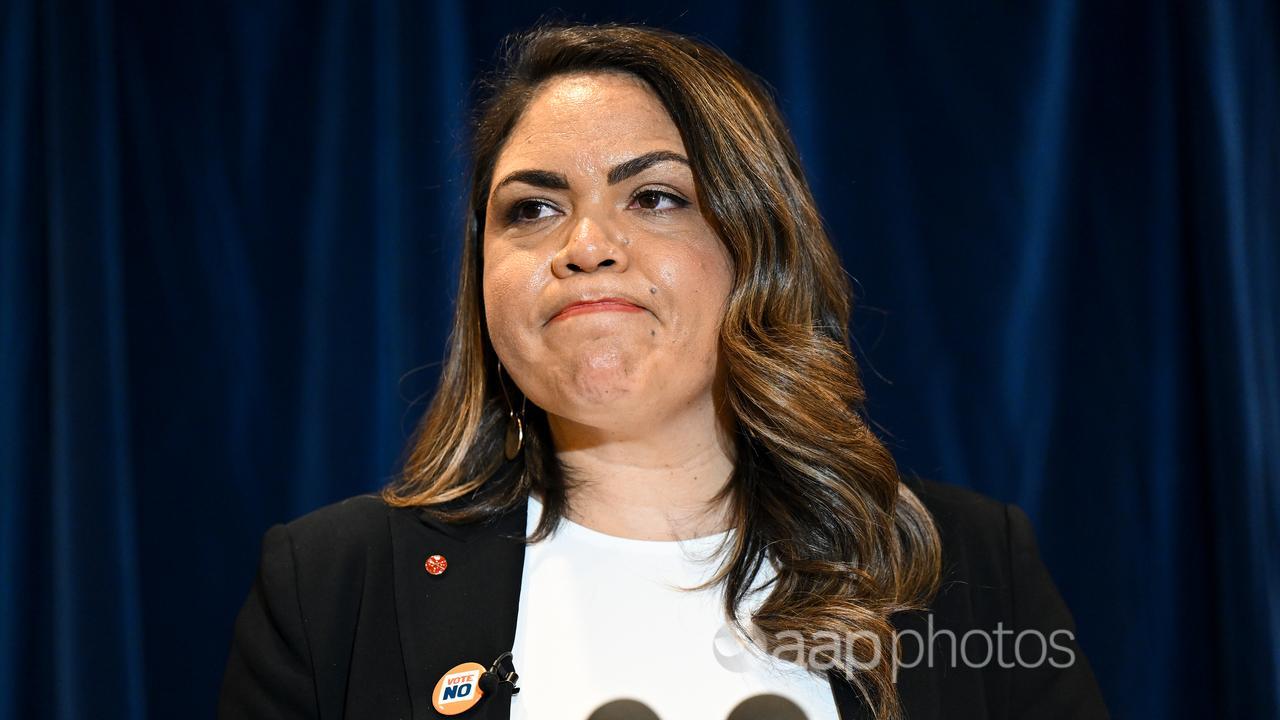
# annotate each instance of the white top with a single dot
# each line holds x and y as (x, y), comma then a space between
(600, 620)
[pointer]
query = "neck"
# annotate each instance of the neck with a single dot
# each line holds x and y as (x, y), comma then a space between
(654, 481)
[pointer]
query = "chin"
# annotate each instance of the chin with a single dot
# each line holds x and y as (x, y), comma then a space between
(601, 391)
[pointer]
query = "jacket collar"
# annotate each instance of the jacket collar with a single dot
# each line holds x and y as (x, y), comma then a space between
(460, 533)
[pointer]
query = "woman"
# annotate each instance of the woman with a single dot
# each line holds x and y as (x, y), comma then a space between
(646, 487)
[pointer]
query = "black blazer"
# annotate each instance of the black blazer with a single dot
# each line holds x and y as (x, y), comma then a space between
(343, 620)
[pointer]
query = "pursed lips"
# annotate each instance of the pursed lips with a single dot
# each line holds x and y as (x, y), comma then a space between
(601, 305)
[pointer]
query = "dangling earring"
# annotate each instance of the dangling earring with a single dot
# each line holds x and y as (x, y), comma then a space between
(515, 422)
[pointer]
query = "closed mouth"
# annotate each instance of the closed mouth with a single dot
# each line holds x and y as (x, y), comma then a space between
(601, 305)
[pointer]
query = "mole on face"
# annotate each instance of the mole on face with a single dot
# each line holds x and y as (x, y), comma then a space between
(653, 291)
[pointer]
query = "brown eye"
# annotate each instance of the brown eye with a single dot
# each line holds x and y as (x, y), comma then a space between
(649, 200)
(529, 210)
(658, 200)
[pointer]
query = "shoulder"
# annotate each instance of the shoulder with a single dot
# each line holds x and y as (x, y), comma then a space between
(353, 517)
(338, 535)
(969, 522)
(995, 583)
(990, 557)
(334, 560)
(953, 500)
(344, 539)
(320, 577)
(982, 540)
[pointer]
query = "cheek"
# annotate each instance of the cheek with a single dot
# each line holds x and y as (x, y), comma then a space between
(511, 285)
(502, 291)
(700, 282)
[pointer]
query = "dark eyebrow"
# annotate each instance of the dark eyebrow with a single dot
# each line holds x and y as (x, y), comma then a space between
(636, 165)
(537, 178)
(621, 171)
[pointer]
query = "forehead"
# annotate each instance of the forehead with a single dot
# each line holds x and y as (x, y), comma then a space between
(587, 122)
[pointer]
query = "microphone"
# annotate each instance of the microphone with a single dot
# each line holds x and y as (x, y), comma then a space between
(501, 674)
(623, 710)
(767, 707)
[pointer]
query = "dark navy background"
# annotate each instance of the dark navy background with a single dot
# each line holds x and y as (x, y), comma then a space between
(229, 236)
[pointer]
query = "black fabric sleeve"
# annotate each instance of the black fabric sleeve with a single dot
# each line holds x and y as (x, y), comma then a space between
(1062, 684)
(269, 671)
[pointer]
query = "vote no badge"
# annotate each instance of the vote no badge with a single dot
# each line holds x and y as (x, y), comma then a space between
(459, 690)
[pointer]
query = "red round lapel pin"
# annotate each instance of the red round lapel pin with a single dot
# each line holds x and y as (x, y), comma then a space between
(436, 564)
(459, 689)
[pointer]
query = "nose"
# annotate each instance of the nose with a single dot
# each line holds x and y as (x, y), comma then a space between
(592, 245)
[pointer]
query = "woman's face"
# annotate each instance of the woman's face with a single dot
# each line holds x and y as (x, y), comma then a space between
(593, 198)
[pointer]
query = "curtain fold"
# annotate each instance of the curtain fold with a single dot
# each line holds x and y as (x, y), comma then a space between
(1237, 173)
(229, 237)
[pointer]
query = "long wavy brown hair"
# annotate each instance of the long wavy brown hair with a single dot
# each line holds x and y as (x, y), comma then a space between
(813, 489)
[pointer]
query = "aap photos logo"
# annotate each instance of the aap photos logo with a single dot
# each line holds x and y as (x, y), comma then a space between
(861, 649)
(459, 690)
(732, 654)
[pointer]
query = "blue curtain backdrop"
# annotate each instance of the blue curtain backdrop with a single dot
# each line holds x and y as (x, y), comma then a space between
(229, 236)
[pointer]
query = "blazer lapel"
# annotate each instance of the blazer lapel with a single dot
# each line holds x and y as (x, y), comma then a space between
(465, 614)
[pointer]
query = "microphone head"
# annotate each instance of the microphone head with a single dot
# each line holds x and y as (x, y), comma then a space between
(767, 707)
(625, 709)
